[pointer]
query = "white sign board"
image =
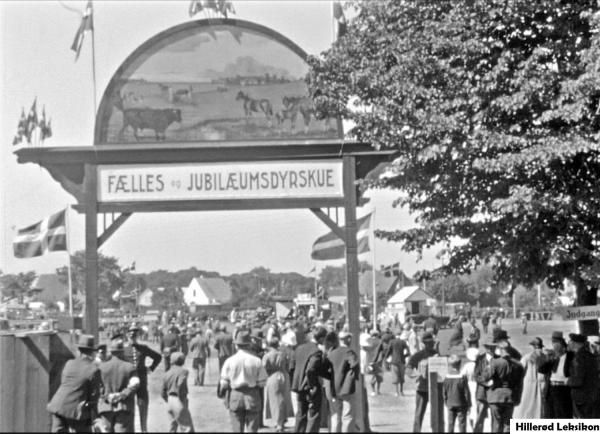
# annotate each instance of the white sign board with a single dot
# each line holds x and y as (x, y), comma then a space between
(580, 312)
(439, 365)
(219, 181)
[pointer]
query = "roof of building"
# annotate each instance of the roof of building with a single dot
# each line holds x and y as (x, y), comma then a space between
(384, 284)
(52, 288)
(215, 288)
(409, 293)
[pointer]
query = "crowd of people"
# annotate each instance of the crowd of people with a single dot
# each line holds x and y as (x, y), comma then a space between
(305, 367)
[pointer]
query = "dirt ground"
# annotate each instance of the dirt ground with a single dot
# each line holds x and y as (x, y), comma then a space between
(387, 412)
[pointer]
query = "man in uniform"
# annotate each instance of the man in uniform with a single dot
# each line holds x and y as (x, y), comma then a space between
(136, 353)
(244, 375)
(117, 404)
(583, 379)
(200, 351)
(73, 406)
(418, 367)
(309, 365)
(506, 376)
(175, 392)
(223, 345)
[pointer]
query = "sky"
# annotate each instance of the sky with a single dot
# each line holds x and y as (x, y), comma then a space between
(36, 61)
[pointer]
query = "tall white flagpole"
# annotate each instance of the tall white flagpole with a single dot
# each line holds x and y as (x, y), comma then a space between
(68, 261)
(372, 240)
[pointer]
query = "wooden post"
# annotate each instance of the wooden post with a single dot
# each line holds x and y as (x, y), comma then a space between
(91, 251)
(353, 295)
(436, 403)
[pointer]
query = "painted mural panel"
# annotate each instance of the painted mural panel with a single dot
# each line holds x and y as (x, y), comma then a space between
(219, 82)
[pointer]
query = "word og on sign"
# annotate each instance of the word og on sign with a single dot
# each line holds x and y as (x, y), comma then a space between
(205, 181)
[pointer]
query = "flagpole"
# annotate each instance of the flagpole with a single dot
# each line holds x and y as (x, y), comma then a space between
(94, 59)
(373, 263)
(333, 24)
(68, 261)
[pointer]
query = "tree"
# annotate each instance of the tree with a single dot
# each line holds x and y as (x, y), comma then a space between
(17, 285)
(494, 110)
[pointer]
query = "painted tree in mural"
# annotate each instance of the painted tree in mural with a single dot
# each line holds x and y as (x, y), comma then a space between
(494, 109)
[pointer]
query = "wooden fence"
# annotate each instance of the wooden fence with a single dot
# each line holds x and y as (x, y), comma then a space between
(30, 367)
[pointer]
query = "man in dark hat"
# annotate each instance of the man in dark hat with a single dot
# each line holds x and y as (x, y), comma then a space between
(169, 344)
(309, 365)
(583, 379)
(136, 353)
(73, 406)
(200, 351)
(223, 345)
(418, 367)
(505, 391)
(117, 404)
(244, 375)
(557, 400)
(482, 364)
(175, 393)
(501, 337)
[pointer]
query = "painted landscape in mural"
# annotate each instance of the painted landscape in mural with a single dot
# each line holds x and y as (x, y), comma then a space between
(221, 83)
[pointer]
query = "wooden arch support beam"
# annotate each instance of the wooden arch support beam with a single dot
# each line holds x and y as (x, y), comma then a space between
(116, 224)
(330, 223)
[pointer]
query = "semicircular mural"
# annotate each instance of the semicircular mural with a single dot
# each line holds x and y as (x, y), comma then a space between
(206, 82)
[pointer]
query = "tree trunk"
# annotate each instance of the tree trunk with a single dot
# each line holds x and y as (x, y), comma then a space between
(587, 297)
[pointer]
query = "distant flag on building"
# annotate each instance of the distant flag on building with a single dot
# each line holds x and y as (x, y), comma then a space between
(340, 20)
(87, 23)
(391, 270)
(45, 126)
(48, 235)
(330, 246)
(222, 7)
(22, 128)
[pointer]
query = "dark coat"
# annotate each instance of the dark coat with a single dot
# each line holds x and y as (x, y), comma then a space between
(175, 383)
(143, 351)
(507, 381)
(224, 345)
(481, 364)
(345, 371)
(116, 374)
(81, 383)
(399, 350)
(170, 343)
(583, 377)
(309, 365)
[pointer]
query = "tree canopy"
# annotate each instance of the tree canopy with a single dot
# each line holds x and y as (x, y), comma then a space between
(494, 109)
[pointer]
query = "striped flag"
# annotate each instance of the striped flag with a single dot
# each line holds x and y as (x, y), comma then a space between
(87, 23)
(340, 20)
(330, 246)
(49, 235)
(391, 270)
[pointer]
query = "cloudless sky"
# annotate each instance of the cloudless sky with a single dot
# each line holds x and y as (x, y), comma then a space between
(36, 60)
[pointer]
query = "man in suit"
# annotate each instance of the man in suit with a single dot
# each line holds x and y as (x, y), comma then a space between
(136, 353)
(309, 366)
(482, 363)
(557, 398)
(501, 338)
(73, 406)
(117, 404)
(505, 392)
(418, 367)
(583, 379)
(169, 344)
(200, 351)
(175, 392)
(223, 345)
(344, 386)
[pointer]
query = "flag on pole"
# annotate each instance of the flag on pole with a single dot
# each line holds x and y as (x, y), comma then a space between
(340, 20)
(392, 270)
(48, 235)
(223, 7)
(45, 126)
(32, 120)
(87, 23)
(330, 246)
(22, 128)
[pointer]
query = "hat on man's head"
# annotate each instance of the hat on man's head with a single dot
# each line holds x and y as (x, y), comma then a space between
(576, 337)
(490, 343)
(243, 339)
(374, 332)
(537, 342)
(500, 335)
(427, 337)
(472, 338)
(86, 342)
(116, 345)
(134, 327)
(319, 333)
(557, 336)
(177, 358)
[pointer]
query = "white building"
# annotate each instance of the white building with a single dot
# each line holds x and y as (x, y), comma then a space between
(409, 300)
(207, 291)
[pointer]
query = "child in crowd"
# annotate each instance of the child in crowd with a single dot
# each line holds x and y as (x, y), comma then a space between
(457, 397)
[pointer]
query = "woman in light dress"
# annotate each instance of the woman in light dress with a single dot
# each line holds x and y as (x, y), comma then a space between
(533, 383)
(278, 397)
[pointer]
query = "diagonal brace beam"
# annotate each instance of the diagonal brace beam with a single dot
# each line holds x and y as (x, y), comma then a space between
(330, 223)
(116, 224)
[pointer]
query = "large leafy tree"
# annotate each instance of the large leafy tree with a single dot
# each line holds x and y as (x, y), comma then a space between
(16, 285)
(494, 108)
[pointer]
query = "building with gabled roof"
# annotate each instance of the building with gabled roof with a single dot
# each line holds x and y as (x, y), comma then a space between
(410, 300)
(49, 288)
(207, 291)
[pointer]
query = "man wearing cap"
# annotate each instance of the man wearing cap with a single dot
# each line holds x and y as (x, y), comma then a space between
(136, 353)
(583, 379)
(504, 394)
(482, 363)
(309, 365)
(175, 392)
(200, 351)
(117, 404)
(73, 406)
(244, 375)
(169, 344)
(223, 345)
(344, 362)
(418, 368)
(397, 351)
(557, 399)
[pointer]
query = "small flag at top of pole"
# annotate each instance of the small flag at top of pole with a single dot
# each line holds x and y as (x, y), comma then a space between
(87, 23)
(340, 20)
(32, 128)
(219, 7)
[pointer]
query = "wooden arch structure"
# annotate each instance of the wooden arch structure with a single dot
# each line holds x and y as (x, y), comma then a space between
(194, 144)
